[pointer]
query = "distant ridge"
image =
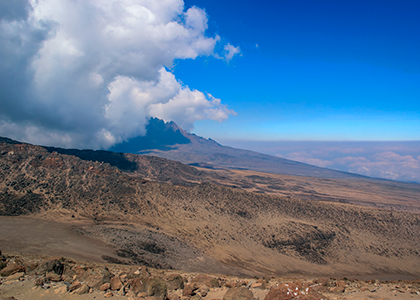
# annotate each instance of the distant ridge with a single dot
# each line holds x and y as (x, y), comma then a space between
(169, 141)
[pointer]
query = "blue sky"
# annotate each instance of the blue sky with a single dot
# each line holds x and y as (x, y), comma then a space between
(312, 70)
(90, 74)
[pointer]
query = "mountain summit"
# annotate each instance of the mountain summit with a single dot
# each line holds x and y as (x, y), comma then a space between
(169, 141)
(160, 136)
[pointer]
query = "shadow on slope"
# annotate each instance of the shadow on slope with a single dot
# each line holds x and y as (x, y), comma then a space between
(114, 159)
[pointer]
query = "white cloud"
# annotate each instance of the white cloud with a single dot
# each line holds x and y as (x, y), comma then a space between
(386, 164)
(91, 73)
(307, 157)
(188, 106)
(229, 52)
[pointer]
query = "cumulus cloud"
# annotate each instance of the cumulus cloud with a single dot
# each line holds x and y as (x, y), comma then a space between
(230, 51)
(91, 73)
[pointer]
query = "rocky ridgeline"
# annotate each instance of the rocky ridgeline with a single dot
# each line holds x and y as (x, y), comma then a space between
(62, 276)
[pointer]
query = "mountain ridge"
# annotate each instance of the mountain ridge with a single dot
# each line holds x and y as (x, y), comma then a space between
(209, 153)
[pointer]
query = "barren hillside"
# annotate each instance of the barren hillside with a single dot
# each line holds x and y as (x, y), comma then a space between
(164, 214)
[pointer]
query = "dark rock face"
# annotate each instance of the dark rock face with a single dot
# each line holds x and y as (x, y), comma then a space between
(159, 135)
(2, 265)
(54, 265)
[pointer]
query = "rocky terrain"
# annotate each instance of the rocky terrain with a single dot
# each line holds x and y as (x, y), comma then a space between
(34, 277)
(162, 214)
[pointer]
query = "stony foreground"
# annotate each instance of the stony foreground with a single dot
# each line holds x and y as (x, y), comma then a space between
(34, 277)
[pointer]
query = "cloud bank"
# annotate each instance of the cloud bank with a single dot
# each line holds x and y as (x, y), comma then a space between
(395, 160)
(91, 73)
(391, 160)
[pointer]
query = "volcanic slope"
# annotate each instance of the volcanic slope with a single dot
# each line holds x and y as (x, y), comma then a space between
(164, 214)
(167, 140)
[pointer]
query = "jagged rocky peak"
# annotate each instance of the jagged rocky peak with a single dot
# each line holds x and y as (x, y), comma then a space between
(159, 135)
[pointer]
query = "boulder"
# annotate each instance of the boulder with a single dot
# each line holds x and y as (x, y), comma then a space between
(81, 272)
(231, 284)
(339, 287)
(137, 285)
(52, 276)
(97, 279)
(12, 269)
(15, 276)
(175, 282)
(74, 285)
(259, 284)
(61, 289)
(207, 280)
(40, 281)
(203, 290)
(189, 290)
(105, 287)
(238, 293)
(116, 283)
(31, 266)
(173, 296)
(84, 289)
(157, 287)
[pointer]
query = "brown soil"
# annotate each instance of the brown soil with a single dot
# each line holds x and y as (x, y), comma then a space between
(35, 236)
(168, 215)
